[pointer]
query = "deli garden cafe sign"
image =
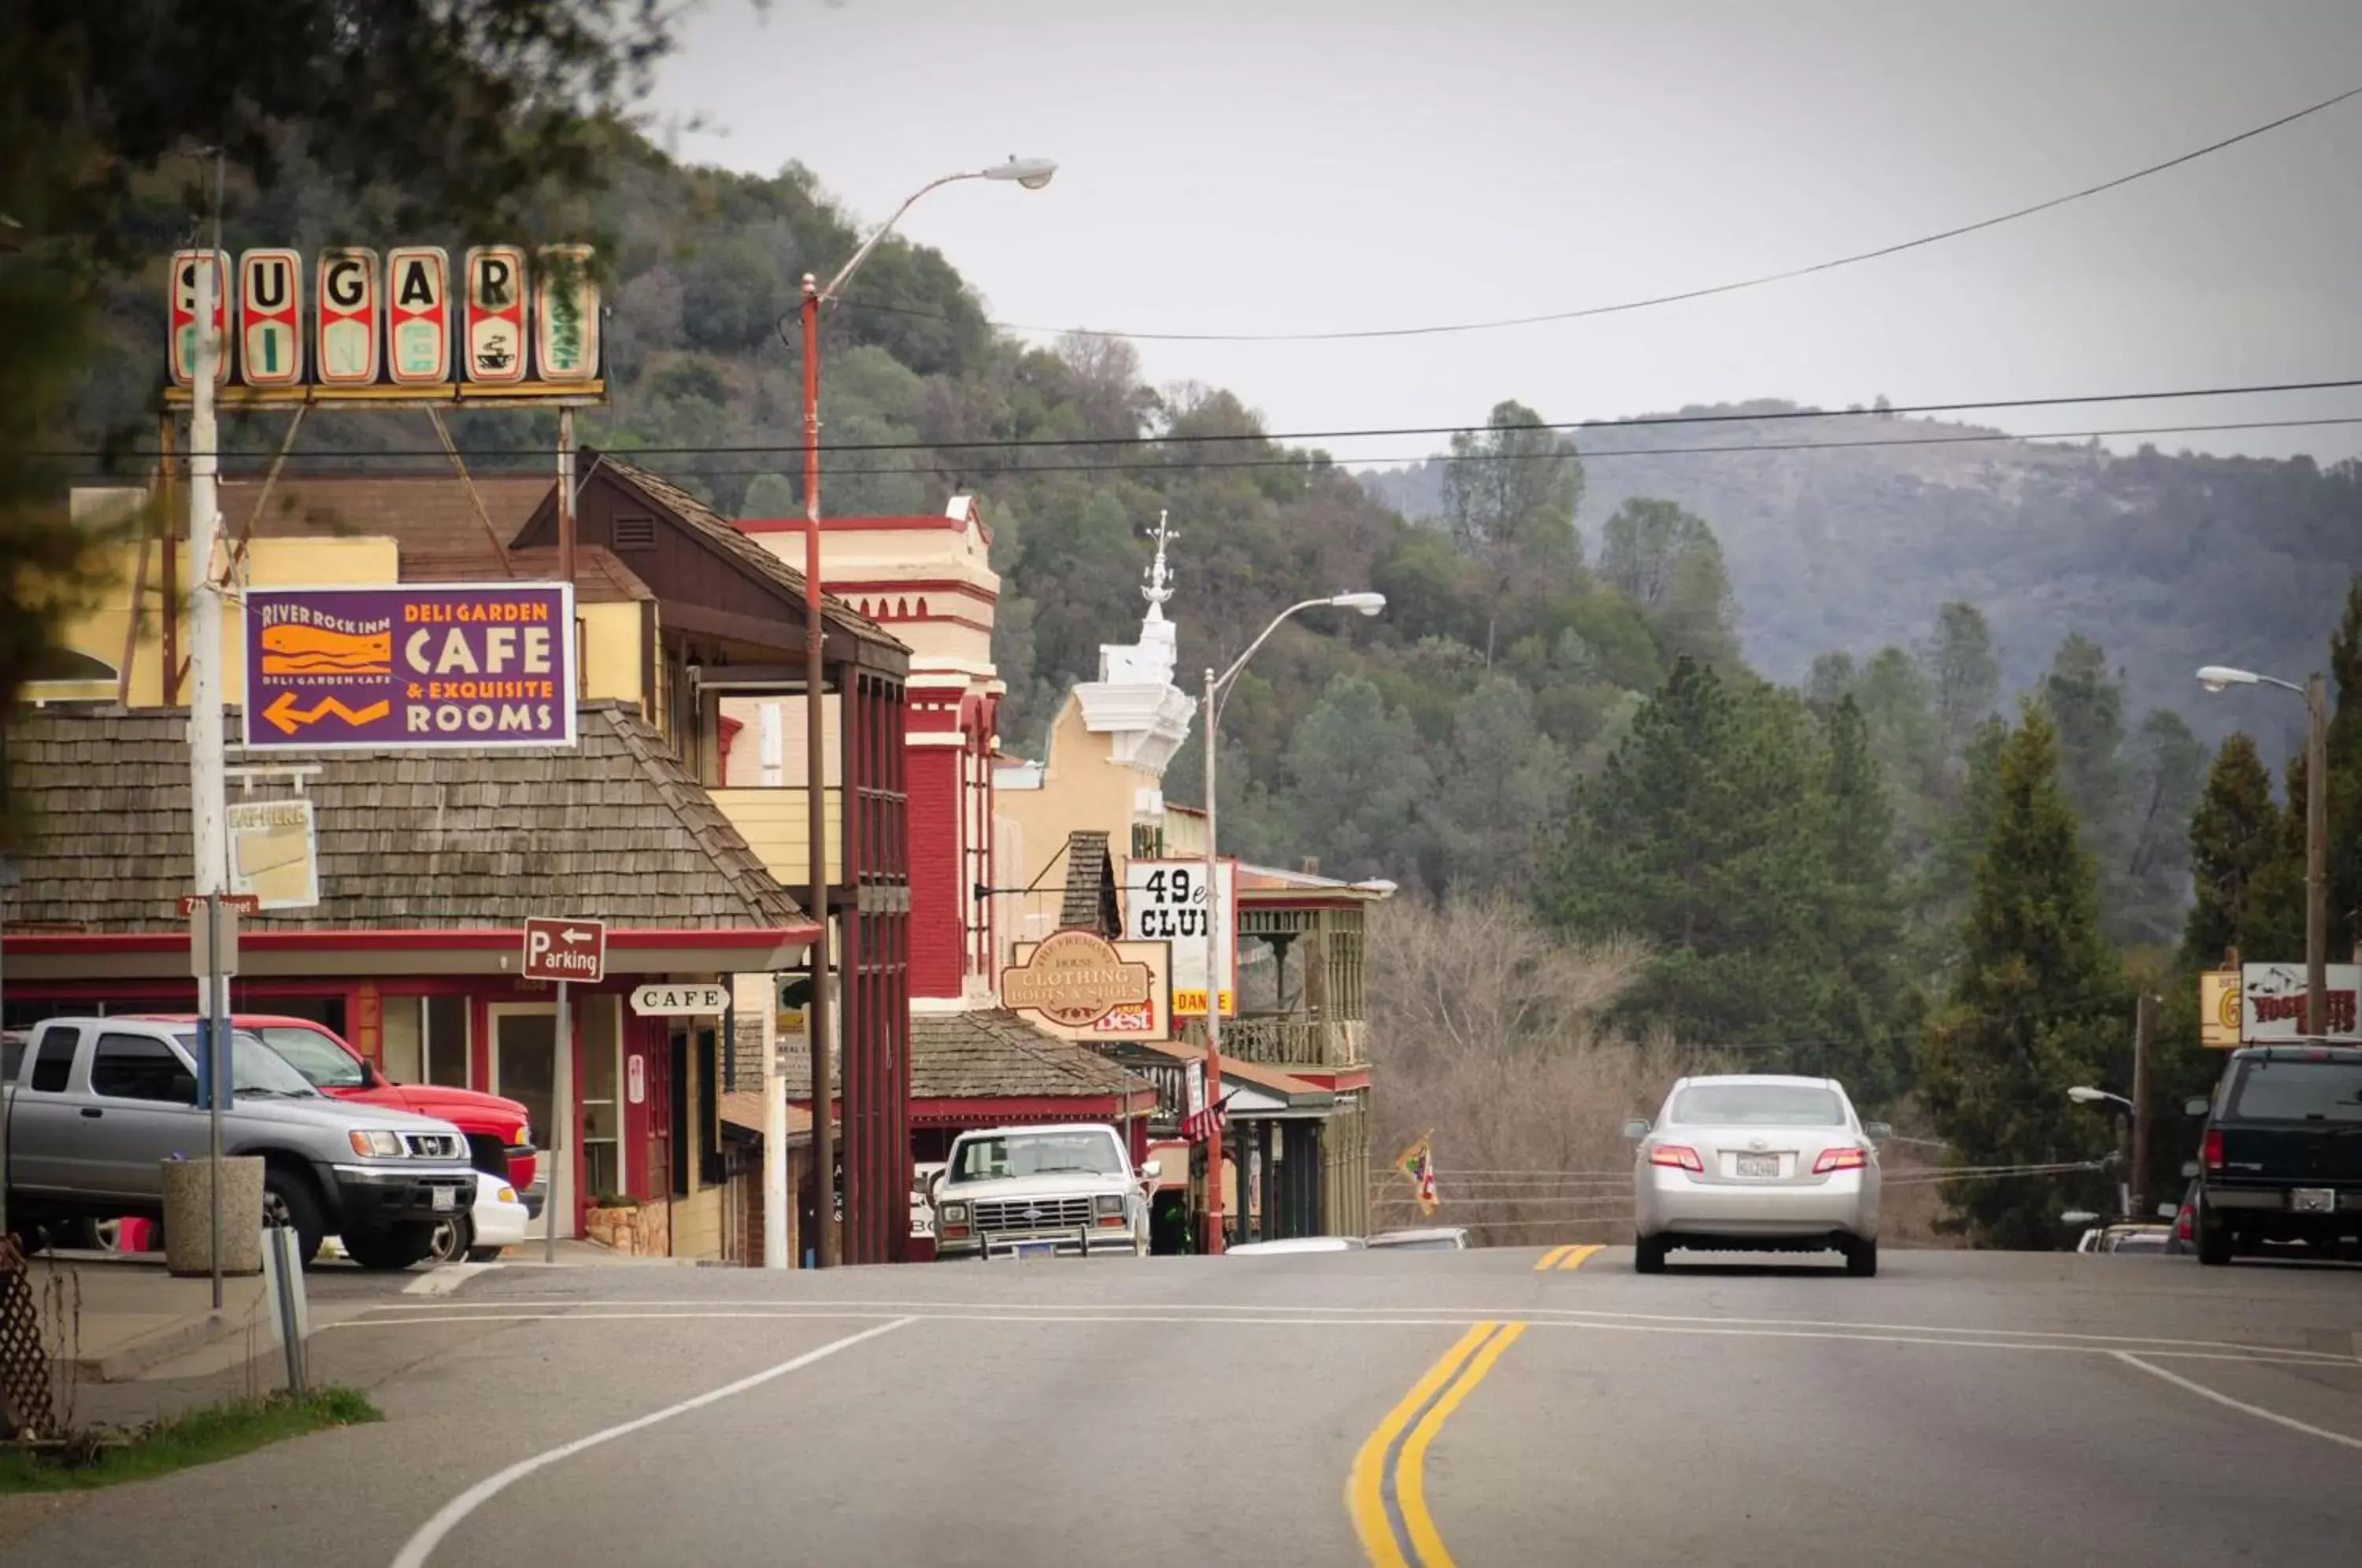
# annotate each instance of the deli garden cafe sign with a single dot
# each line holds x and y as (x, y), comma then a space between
(406, 666)
(355, 320)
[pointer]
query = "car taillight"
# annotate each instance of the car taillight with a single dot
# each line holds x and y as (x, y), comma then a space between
(1675, 1154)
(2213, 1153)
(1839, 1160)
(2182, 1224)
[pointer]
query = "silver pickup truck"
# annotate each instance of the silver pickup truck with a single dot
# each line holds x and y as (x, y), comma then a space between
(95, 1106)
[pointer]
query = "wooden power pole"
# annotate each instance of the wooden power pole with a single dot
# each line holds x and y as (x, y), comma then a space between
(2144, 1023)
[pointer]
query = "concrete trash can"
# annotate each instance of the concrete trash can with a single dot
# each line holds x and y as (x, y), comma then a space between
(188, 1217)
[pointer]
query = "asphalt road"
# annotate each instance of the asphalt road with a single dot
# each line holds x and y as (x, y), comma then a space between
(1342, 1409)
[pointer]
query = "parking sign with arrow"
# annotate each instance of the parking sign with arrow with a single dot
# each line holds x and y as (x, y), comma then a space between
(557, 949)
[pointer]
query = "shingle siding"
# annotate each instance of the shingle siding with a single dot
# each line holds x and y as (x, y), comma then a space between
(407, 840)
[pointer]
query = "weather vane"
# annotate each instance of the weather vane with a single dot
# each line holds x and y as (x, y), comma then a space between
(1159, 575)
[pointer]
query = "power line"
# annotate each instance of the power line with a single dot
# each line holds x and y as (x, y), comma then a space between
(1326, 461)
(1646, 421)
(1623, 306)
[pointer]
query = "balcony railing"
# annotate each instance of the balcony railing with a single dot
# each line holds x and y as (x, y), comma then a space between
(1282, 1041)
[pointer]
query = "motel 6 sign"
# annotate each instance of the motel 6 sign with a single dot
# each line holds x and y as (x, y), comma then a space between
(356, 319)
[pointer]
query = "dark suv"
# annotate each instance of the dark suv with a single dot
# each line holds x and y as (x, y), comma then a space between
(2281, 1161)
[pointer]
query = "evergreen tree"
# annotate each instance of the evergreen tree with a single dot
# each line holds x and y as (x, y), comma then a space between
(2346, 777)
(2164, 775)
(2235, 836)
(1864, 916)
(2031, 1009)
(1703, 833)
(1355, 782)
(2087, 712)
(1966, 676)
(1504, 781)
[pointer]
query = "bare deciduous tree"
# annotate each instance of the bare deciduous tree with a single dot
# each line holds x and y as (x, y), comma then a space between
(1487, 1031)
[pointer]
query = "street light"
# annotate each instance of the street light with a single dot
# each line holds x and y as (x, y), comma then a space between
(1032, 174)
(2315, 693)
(1218, 687)
(2083, 1094)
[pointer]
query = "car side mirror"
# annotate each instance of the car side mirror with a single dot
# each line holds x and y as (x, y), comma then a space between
(1152, 1170)
(2169, 1210)
(1877, 1131)
(2196, 1105)
(2190, 1169)
(935, 1185)
(1637, 1129)
(185, 1088)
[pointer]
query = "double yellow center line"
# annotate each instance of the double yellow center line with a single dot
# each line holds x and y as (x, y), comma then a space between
(1569, 1256)
(1386, 1495)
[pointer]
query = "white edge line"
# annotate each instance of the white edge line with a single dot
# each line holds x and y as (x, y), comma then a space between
(446, 1279)
(1340, 1314)
(2240, 1405)
(419, 1547)
(2267, 1357)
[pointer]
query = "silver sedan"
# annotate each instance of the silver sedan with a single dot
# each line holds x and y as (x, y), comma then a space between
(1757, 1163)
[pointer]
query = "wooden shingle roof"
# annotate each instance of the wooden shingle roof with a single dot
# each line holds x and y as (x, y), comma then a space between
(991, 1052)
(436, 840)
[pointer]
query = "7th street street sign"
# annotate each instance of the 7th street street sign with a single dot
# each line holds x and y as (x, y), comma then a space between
(572, 950)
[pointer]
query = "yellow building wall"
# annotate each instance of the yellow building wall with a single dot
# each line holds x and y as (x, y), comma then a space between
(697, 1224)
(1083, 789)
(614, 660)
(776, 825)
(270, 563)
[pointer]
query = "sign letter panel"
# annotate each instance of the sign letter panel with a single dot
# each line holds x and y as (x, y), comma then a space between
(271, 318)
(496, 344)
(348, 311)
(418, 314)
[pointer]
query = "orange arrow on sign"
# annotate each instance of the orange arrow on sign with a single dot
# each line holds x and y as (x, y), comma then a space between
(289, 718)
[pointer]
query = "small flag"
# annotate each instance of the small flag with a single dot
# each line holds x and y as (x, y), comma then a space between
(1417, 1166)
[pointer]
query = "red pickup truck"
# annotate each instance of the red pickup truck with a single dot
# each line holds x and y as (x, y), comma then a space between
(500, 1141)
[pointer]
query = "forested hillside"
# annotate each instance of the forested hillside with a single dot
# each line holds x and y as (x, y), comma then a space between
(2168, 562)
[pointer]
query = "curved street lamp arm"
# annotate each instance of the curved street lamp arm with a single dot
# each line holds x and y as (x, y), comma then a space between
(1223, 681)
(828, 289)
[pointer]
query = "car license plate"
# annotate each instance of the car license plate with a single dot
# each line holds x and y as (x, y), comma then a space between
(1760, 1165)
(2313, 1200)
(446, 1197)
(1036, 1249)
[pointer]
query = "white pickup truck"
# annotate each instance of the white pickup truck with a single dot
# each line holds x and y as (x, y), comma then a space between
(1067, 1189)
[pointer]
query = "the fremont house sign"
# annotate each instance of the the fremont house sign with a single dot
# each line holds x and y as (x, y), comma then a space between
(1074, 977)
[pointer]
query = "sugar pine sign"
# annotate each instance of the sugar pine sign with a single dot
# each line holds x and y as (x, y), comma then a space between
(358, 323)
(410, 666)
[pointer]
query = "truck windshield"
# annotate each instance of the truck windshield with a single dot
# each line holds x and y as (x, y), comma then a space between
(1037, 1154)
(2299, 1091)
(254, 1068)
(324, 1063)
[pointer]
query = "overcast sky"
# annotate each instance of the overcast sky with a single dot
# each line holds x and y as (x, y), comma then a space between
(1318, 165)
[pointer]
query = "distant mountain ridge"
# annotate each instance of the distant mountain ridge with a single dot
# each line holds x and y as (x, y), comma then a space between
(2168, 561)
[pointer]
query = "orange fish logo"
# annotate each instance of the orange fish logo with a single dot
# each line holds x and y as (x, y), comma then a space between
(314, 650)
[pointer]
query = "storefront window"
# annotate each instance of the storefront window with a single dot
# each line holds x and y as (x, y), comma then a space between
(447, 1042)
(401, 1039)
(602, 1121)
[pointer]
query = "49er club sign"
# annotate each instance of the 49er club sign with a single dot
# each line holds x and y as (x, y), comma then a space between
(359, 323)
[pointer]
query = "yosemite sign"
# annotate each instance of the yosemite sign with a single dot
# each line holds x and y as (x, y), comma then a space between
(1076, 979)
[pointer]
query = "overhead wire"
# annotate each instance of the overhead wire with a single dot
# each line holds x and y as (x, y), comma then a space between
(1679, 296)
(1369, 433)
(1324, 461)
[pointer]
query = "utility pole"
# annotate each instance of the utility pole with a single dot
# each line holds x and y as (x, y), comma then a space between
(2144, 1022)
(816, 1012)
(207, 805)
(1216, 1241)
(2316, 857)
